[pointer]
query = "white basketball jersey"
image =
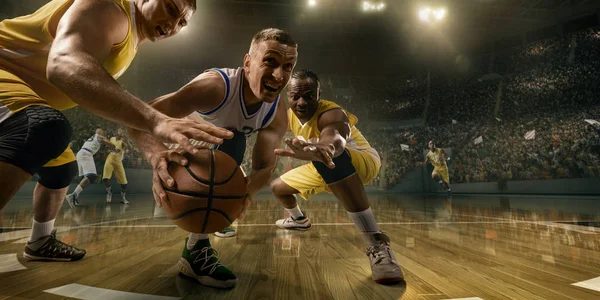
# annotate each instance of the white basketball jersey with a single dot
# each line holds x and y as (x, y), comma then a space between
(231, 112)
(92, 144)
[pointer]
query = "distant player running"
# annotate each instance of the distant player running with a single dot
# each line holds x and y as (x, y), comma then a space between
(114, 163)
(86, 164)
(438, 158)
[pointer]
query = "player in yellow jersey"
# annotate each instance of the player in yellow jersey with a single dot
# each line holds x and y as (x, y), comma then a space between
(438, 158)
(341, 161)
(114, 164)
(66, 53)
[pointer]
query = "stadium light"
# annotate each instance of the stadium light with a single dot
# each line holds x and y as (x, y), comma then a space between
(373, 6)
(312, 2)
(428, 15)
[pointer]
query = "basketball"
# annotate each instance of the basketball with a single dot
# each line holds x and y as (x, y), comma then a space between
(209, 193)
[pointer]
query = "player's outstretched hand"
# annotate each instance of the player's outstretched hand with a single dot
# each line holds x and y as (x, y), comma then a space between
(180, 131)
(308, 151)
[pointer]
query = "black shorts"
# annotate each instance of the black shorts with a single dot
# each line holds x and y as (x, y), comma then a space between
(234, 147)
(33, 136)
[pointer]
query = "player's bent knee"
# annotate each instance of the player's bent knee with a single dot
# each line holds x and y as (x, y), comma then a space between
(276, 186)
(34, 136)
(343, 169)
(92, 177)
(58, 177)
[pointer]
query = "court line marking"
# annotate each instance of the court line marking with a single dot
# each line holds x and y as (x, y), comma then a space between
(86, 292)
(590, 284)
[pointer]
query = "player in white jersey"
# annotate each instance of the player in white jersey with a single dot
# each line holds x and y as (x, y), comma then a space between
(244, 100)
(86, 164)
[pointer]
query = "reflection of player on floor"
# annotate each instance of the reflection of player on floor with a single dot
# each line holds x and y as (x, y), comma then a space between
(438, 158)
(86, 164)
(341, 162)
(114, 163)
(244, 100)
(69, 53)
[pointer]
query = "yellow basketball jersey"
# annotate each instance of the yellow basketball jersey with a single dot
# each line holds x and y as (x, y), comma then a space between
(309, 131)
(25, 44)
(436, 158)
(116, 154)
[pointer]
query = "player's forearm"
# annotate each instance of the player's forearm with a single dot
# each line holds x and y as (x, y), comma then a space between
(259, 179)
(88, 84)
(145, 143)
(333, 140)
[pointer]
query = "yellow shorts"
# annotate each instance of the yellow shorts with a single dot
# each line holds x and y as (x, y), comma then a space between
(114, 165)
(15, 95)
(309, 182)
(443, 172)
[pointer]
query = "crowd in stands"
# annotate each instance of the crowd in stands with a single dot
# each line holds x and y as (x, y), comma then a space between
(549, 86)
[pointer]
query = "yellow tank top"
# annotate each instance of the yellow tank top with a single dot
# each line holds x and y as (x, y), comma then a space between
(309, 131)
(25, 44)
(436, 158)
(116, 154)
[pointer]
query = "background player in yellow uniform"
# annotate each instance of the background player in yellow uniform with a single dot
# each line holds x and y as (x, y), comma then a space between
(341, 162)
(69, 52)
(438, 158)
(114, 165)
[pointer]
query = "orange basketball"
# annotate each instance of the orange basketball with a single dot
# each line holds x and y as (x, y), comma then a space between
(209, 193)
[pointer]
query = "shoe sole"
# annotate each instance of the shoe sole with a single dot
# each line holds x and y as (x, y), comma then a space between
(295, 228)
(390, 280)
(186, 270)
(225, 235)
(40, 258)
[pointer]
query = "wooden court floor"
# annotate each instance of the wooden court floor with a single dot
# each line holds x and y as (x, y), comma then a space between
(486, 247)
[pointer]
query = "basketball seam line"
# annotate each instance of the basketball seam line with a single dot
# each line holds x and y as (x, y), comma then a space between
(210, 188)
(192, 194)
(201, 209)
(200, 180)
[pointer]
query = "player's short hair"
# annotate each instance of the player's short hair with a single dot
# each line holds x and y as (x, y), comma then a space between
(272, 34)
(306, 74)
(192, 4)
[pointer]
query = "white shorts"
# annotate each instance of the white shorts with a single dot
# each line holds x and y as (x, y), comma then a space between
(85, 162)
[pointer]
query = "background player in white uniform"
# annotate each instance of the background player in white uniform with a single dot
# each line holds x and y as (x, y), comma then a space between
(86, 164)
(245, 100)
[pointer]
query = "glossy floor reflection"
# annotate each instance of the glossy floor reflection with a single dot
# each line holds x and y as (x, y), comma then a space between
(450, 247)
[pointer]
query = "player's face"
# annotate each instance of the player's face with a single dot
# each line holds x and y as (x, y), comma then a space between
(268, 69)
(303, 97)
(164, 18)
(120, 133)
(430, 145)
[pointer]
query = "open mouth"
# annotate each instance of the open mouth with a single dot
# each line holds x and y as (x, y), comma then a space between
(301, 111)
(160, 31)
(270, 88)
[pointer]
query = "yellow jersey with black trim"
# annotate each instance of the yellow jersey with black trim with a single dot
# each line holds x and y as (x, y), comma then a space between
(25, 43)
(436, 158)
(309, 131)
(116, 154)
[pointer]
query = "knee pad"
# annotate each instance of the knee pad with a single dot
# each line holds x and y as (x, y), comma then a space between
(58, 177)
(33, 136)
(123, 187)
(92, 177)
(343, 168)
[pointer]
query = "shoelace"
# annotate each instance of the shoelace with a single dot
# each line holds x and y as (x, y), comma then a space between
(378, 254)
(203, 254)
(58, 247)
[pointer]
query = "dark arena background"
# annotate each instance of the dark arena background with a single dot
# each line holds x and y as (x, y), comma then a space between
(509, 89)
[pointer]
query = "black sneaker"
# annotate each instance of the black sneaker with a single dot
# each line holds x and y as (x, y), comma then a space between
(48, 248)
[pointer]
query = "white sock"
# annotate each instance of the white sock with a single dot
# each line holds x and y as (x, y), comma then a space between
(194, 238)
(78, 190)
(109, 190)
(366, 224)
(39, 230)
(295, 212)
(123, 195)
